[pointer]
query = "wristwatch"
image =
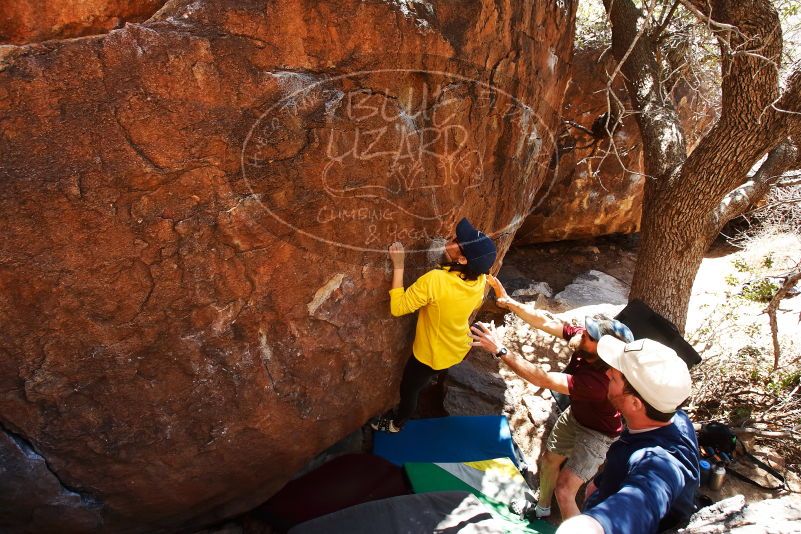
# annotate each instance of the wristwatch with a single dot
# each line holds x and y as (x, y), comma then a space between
(501, 352)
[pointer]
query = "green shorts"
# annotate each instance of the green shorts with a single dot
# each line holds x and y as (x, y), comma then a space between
(584, 448)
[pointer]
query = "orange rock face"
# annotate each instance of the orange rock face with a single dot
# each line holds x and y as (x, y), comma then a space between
(30, 21)
(597, 189)
(193, 283)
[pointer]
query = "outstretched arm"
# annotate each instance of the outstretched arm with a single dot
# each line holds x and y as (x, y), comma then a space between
(645, 497)
(538, 319)
(416, 296)
(398, 257)
(490, 341)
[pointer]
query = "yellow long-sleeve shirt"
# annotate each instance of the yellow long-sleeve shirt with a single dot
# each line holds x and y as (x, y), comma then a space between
(442, 338)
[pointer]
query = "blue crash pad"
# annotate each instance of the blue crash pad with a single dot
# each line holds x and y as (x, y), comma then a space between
(448, 439)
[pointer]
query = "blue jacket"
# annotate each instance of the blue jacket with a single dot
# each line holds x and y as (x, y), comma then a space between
(649, 481)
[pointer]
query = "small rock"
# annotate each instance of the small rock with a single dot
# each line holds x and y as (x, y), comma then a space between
(539, 409)
(541, 302)
(540, 288)
(594, 287)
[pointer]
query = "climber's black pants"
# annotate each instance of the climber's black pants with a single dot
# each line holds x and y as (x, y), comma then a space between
(416, 376)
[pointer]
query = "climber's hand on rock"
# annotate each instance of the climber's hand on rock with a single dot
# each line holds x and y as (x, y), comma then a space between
(502, 298)
(397, 254)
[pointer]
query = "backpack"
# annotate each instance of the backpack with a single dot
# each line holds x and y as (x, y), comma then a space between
(719, 444)
(717, 436)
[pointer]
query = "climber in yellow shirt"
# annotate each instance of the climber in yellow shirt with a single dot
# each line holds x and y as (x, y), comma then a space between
(445, 298)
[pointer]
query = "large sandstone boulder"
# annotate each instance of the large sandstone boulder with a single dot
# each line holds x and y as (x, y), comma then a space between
(597, 187)
(193, 284)
(28, 21)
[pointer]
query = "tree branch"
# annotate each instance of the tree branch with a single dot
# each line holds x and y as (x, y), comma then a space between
(788, 106)
(703, 11)
(580, 127)
(748, 88)
(665, 21)
(780, 160)
(789, 282)
(792, 180)
(635, 51)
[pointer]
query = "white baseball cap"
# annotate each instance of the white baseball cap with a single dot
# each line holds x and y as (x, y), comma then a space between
(655, 371)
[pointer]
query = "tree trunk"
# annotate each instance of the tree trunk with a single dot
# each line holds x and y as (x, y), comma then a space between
(671, 250)
(683, 193)
(676, 229)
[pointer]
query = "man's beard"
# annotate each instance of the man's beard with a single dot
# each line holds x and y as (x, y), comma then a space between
(600, 365)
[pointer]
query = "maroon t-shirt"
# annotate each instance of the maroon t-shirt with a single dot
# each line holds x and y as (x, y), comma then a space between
(587, 388)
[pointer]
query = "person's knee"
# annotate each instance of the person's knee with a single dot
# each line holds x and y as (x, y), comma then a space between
(567, 485)
(565, 492)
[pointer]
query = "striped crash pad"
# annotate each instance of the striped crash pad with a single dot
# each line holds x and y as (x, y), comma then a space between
(445, 512)
(497, 483)
(447, 439)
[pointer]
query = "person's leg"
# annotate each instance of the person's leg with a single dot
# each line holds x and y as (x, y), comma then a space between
(549, 472)
(558, 447)
(588, 455)
(567, 486)
(416, 376)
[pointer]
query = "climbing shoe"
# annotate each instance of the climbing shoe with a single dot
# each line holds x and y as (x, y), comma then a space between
(540, 512)
(385, 424)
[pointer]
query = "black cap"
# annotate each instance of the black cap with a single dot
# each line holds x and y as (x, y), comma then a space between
(477, 247)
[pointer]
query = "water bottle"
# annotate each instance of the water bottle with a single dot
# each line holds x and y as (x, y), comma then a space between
(706, 472)
(716, 479)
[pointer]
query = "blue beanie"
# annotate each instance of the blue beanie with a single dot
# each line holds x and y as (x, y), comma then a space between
(477, 247)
